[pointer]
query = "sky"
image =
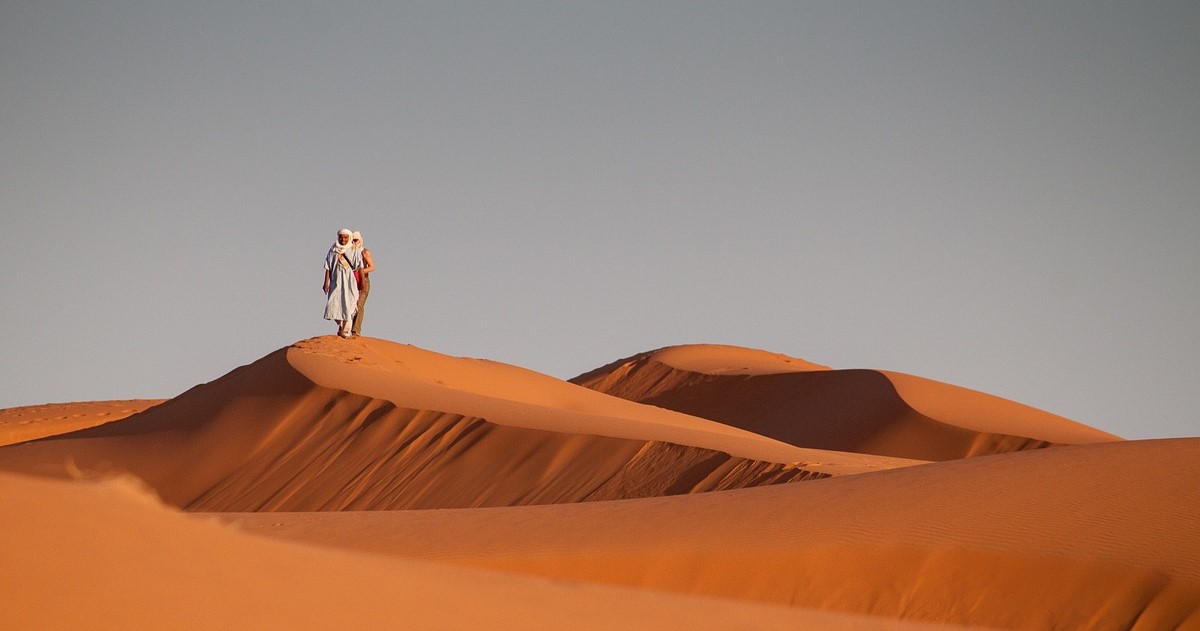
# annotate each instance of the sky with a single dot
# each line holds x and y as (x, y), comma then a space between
(999, 195)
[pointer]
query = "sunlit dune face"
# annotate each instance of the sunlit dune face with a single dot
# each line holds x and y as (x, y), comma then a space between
(717, 486)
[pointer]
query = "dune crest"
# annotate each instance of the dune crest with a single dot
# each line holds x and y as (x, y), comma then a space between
(267, 437)
(517, 397)
(751, 486)
(808, 405)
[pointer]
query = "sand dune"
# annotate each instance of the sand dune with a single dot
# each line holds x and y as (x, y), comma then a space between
(691, 487)
(809, 405)
(1090, 537)
(418, 430)
(39, 421)
(108, 555)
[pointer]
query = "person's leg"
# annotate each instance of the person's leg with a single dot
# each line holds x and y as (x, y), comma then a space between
(358, 315)
(344, 331)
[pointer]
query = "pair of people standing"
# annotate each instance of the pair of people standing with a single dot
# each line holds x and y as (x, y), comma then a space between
(348, 266)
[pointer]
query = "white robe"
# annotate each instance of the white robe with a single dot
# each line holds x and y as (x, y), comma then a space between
(342, 300)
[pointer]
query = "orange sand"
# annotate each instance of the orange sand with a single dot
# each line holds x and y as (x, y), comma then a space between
(808, 405)
(1043, 539)
(38, 421)
(752, 490)
(107, 555)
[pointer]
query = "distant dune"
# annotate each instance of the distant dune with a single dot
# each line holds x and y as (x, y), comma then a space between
(809, 405)
(31, 422)
(698, 487)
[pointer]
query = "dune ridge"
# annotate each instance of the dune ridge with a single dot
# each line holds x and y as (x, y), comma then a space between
(265, 437)
(517, 397)
(854, 410)
(761, 499)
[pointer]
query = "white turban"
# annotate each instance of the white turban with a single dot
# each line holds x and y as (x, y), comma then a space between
(338, 247)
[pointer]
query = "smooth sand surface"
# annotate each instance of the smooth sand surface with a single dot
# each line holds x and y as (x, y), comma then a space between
(516, 397)
(31, 422)
(1096, 536)
(692, 487)
(331, 424)
(809, 405)
(107, 555)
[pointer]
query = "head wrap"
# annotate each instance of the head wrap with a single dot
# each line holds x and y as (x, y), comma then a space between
(337, 245)
(357, 236)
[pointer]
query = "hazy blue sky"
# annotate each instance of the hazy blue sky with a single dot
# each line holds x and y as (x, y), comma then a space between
(1001, 195)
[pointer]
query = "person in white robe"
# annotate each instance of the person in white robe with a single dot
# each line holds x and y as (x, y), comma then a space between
(341, 290)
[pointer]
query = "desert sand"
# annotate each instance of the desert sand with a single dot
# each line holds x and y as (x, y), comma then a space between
(368, 484)
(31, 422)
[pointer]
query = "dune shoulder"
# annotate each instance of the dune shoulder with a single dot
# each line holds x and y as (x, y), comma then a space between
(851, 410)
(31, 422)
(990, 414)
(365, 424)
(510, 395)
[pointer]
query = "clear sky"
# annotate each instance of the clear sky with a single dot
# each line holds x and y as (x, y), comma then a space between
(1001, 195)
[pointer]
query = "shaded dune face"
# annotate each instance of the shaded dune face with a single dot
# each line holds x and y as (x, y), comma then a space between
(843, 410)
(1096, 536)
(265, 438)
(323, 442)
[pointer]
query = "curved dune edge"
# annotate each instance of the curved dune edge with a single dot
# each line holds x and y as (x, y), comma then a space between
(265, 437)
(107, 555)
(803, 404)
(722, 359)
(509, 395)
(711, 359)
(1094, 536)
(31, 422)
(1091, 536)
(986, 413)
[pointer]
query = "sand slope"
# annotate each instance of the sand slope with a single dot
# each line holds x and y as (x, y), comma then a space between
(1091, 537)
(108, 555)
(809, 405)
(430, 432)
(692, 487)
(38, 421)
